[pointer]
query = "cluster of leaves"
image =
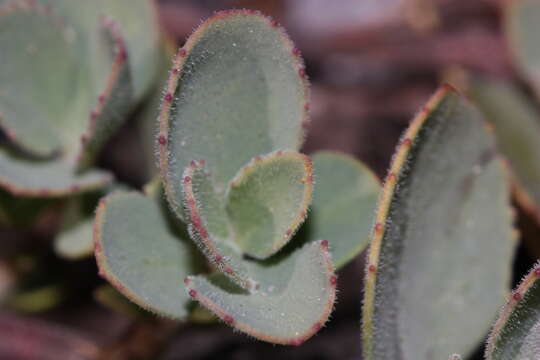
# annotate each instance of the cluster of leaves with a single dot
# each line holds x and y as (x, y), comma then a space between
(232, 119)
(228, 213)
(72, 72)
(441, 253)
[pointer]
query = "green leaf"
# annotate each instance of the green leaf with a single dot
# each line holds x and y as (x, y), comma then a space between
(139, 23)
(268, 200)
(76, 242)
(35, 46)
(115, 100)
(234, 93)
(208, 224)
(74, 112)
(46, 178)
(440, 257)
(344, 201)
(145, 117)
(75, 238)
(517, 129)
(293, 301)
(516, 332)
(140, 255)
(522, 28)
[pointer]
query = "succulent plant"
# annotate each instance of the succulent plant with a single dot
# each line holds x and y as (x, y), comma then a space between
(439, 261)
(232, 119)
(72, 72)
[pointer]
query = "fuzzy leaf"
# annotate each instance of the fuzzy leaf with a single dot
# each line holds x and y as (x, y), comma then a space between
(234, 93)
(517, 128)
(35, 46)
(522, 28)
(268, 200)
(344, 201)
(440, 258)
(208, 225)
(115, 99)
(46, 178)
(138, 22)
(294, 300)
(145, 117)
(516, 332)
(138, 253)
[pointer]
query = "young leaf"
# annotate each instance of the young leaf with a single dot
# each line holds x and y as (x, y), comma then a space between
(441, 250)
(267, 201)
(237, 89)
(516, 332)
(140, 256)
(293, 301)
(344, 201)
(208, 225)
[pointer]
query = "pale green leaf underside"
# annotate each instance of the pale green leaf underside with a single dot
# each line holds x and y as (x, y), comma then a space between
(437, 284)
(517, 128)
(140, 255)
(37, 56)
(46, 178)
(238, 95)
(293, 301)
(522, 29)
(268, 200)
(344, 202)
(517, 337)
